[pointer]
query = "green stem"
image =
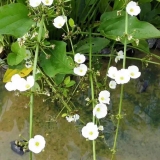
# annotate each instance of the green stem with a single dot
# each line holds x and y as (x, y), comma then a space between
(92, 93)
(122, 88)
(34, 73)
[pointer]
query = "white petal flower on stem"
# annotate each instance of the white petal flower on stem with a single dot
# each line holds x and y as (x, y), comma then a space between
(100, 110)
(100, 128)
(112, 84)
(104, 97)
(134, 71)
(34, 3)
(122, 76)
(36, 144)
(90, 131)
(112, 72)
(133, 9)
(81, 70)
(26, 84)
(47, 2)
(79, 58)
(120, 55)
(59, 21)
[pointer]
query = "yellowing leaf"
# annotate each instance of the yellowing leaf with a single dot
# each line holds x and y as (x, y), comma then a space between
(10, 72)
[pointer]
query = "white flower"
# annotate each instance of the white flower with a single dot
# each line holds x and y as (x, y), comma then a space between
(122, 76)
(90, 131)
(36, 144)
(100, 110)
(15, 81)
(79, 58)
(59, 21)
(76, 117)
(100, 128)
(104, 97)
(112, 72)
(25, 84)
(71, 118)
(80, 70)
(112, 84)
(28, 64)
(120, 55)
(47, 2)
(134, 72)
(34, 3)
(133, 9)
(28, 55)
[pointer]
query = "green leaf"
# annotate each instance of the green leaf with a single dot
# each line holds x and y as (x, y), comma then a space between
(97, 44)
(71, 83)
(71, 22)
(58, 62)
(112, 26)
(17, 55)
(59, 78)
(67, 80)
(14, 19)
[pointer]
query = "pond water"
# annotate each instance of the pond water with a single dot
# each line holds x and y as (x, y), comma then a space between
(138, 136)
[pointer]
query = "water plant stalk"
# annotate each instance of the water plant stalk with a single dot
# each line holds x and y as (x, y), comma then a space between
(119, 116)
(34, 73)
(92, 92)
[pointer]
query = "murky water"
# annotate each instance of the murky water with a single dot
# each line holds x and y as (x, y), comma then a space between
(138, 136)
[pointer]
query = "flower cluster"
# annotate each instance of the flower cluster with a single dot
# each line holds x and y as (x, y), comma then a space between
(18, 83)
(72, 118)
(123, 75)
(59, 21)
(36, 3)
(90, 131)
(36, 144)
(81, 70)
(133, 9)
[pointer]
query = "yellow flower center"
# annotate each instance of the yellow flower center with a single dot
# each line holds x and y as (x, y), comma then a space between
(98, 109)
(37, 144)
(132, 74)
(91, 133)
(79, 60)
(102, 98)
(122, 78)
(131, 10)
(47, 1)
(28, 86)
(81, 70)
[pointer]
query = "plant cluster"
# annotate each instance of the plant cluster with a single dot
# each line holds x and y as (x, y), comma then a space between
(59, 49)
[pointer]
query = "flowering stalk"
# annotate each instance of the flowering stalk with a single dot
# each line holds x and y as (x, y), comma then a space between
(34, 73)
(92, 94)
(119, 116)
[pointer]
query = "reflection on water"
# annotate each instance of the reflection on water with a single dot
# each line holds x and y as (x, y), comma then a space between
(138, 136)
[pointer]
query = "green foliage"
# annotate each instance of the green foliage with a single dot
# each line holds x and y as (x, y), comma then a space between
(98, 43)
(71, 22)
(17, 55)
(58, 62)
(112, 26)
(14, 20)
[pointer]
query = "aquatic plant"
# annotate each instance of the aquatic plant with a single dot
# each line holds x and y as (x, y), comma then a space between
(50, 49)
